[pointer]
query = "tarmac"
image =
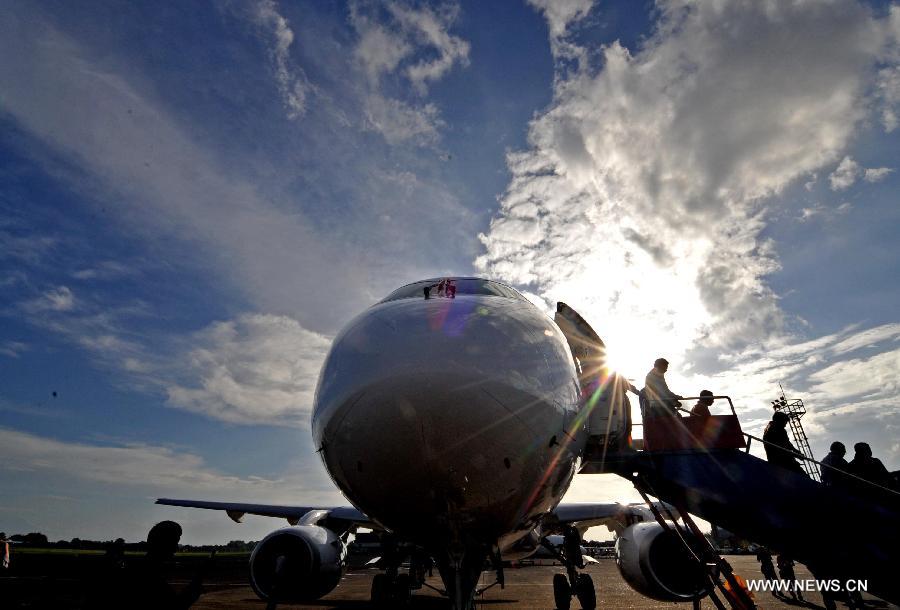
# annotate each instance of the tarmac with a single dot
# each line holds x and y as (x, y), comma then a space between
(54, 583)
(526, 587)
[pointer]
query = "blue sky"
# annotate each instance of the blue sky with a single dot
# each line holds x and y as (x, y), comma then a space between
(195, 198)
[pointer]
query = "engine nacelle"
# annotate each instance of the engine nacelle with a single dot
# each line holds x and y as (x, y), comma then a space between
(297, 564)
(656, 564)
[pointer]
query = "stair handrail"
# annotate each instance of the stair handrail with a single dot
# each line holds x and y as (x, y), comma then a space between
(815, 461)
(728, 398)
(751, 437)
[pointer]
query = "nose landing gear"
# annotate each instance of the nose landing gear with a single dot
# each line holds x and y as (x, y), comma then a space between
(570, 584)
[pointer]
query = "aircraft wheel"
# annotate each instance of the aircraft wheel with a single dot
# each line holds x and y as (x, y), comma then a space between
(562, 593)
(402, 588)
(381, 591)
(584, 589)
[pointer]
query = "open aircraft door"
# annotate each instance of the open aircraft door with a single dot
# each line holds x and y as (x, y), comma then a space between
(604, 392)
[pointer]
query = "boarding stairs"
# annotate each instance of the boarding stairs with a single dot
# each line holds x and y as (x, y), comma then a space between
(702, 466)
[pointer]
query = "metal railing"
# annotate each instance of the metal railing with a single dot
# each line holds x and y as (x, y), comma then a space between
(751, 438)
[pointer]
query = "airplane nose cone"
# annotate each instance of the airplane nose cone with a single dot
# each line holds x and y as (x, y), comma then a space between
(454, 398)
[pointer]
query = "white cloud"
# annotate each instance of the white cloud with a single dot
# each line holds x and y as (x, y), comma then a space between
(430, 29)
(136, 464)
(560, 13)
(400, 122)
(849, 171)
(888, 82)
(257, 369)
(873, 378)
(876, 174)
(818, 210)
(292, 81)
(414, 43)
(844, 175)
(27, 249)
(644, 192)
(120, 481)
(12, 349)
(379, 50)
(104, 270)
(846, 379)
(57, 299)
(384, 45)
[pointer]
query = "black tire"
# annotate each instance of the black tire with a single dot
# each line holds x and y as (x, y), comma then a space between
(401, 589)
(381, 591)
(562, 592)
(584, 589)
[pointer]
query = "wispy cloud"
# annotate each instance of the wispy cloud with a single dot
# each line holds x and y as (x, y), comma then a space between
(121, 480)
(292, 81)
(12, 349)
(104, 270)
(256, 369)
(820, 211)
(393, 38)
(141, 465)
(561, 13)
(877, 174)
(845, 379)
(55, 299)
(161, 180)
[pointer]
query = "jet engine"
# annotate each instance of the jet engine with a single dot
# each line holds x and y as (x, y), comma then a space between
(655, 563)
(297, 564)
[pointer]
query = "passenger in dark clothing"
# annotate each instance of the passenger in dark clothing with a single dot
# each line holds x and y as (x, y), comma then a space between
(786, 571)
(764, 557)
(701, 409)
(869, 468)
(107, 586)
(148, 588)
(661, 401)
(779, 450)
(835, 467)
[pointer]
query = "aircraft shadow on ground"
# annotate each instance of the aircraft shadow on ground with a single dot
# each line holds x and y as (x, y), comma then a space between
(417, 603)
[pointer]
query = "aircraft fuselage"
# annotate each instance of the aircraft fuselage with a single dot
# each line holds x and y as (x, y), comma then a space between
(451, 420)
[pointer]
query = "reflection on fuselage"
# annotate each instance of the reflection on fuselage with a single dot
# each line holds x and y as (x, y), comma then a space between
(446, 419)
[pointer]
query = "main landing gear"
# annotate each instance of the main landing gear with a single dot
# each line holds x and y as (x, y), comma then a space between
(393, 589)
(572, 584)
(391, 592)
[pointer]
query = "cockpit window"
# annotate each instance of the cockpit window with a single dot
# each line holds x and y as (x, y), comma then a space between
(462, 286)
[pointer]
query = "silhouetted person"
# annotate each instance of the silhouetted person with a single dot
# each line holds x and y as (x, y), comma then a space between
(701, 409)
(572, 547)
(835, 466)
(4, 553)
(786, 571)
(148, 587)
(869, 468)
(779, 450)
(661, 400)
(764, 557)
(108, 585)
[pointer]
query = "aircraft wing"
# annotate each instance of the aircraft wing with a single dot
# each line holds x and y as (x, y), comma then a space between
(293, 514)
(616, 517)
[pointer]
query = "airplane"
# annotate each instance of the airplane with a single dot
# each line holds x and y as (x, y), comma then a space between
(453, 415)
